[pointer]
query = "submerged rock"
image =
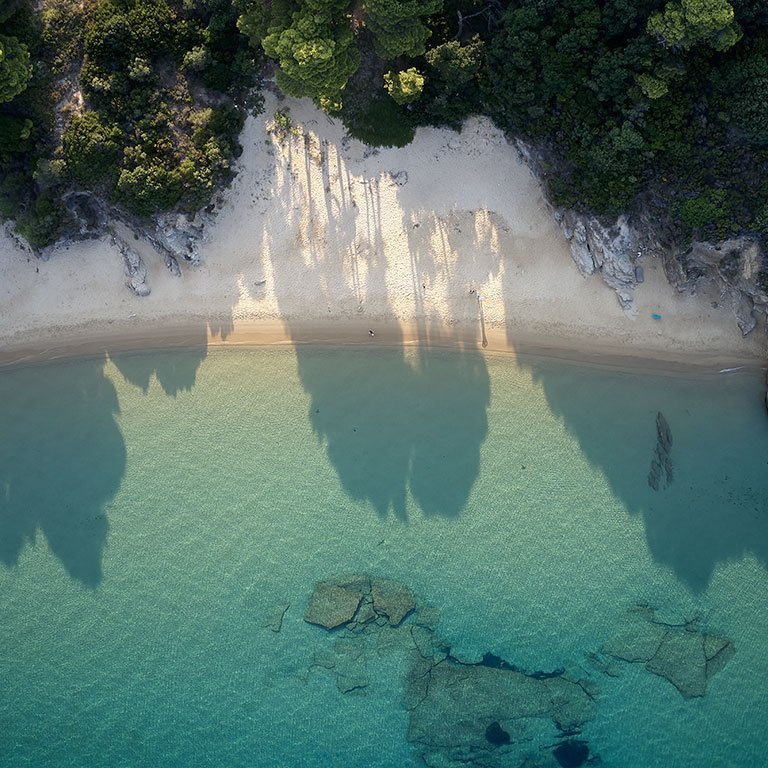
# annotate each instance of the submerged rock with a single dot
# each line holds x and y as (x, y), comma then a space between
(681, 654)
(496, 735)
(486, 713)
(392, 599)
(661, 464)
(334, 603)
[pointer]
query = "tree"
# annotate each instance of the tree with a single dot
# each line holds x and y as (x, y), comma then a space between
(15, 69)
(405, 86)
(315, 52)
(456, 64)
(687, 23)
(397, 27)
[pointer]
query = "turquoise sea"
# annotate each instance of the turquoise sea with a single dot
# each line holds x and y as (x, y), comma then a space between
(157, 511)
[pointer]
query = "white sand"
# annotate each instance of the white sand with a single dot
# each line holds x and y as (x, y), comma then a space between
(344, 248)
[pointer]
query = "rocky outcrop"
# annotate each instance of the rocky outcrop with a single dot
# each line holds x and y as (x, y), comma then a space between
(680, 653)
(335, 603)
(175, 236)
(392, 599)
(736, 267)
(135, 269)
(612, 251)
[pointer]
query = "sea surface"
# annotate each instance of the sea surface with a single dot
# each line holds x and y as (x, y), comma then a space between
(159, 511)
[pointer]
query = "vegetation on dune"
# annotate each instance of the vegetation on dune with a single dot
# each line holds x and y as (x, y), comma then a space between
(653, 105)
(140, 101)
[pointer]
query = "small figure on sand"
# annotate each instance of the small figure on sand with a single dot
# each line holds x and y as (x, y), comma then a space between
(371, 333)
(472, 291)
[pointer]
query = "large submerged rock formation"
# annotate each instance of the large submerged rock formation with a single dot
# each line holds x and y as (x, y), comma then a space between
(661, 470)
(462, 712)
(485, 711)
(681, 653)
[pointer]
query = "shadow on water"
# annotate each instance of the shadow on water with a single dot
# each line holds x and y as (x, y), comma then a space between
(394, 421)
(62, 455)
(713, 509)
(61, 460)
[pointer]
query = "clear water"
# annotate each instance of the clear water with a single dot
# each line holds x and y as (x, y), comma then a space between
(154, 509)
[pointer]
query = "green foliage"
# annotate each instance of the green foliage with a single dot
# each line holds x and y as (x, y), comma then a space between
(397, 25)
(690, 22)
(15, 69)
(456, 64)
(629, 124)
(15, 135)
(703, 210)
(404, 86)
(91, 149)
(315, 53)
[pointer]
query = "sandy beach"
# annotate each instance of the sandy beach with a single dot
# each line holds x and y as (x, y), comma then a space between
(446, 241)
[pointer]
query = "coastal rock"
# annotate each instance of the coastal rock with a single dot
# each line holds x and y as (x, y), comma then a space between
(334, 603)
(135, 269)
(483, 713)
(454, 708)
(392, 599)
(178, 237)
(610, 250)
(681, 654)
(736, 267)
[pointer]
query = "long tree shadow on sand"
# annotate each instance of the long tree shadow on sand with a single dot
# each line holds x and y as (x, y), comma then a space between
(711, 509)
(393, 421)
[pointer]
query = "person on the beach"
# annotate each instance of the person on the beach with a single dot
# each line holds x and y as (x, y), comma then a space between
(371, 333)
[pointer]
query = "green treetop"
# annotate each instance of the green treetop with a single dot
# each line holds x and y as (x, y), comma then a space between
(397, 25)
(404, 87)
(315, 52)
(15, 69)
(687, 23)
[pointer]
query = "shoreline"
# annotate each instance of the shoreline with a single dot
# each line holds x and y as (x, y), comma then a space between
(320, 238)
(87, 342)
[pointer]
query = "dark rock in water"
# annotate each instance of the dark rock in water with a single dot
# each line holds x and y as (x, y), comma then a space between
(496, 735)
(661, 463)
(681, 654)
(663, 430)
(334, 603)
(571, 754)
(392, 599)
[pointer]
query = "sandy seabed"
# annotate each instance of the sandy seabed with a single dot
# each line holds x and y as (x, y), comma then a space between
(448, 241)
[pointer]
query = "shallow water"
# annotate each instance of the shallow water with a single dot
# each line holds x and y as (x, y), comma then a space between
(155, 510)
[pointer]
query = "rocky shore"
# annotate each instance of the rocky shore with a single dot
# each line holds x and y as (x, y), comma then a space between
(485, 711)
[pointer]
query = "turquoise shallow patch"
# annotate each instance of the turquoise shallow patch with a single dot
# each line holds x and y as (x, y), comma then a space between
(155, 511)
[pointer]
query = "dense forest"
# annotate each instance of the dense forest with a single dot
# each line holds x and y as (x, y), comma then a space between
(653, 105)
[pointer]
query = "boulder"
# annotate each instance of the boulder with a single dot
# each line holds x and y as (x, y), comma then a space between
(681, 654)
(334, 603)
(392, 599)
(680, 659)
